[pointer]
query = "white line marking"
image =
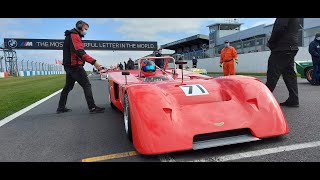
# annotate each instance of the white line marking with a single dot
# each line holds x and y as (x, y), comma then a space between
(24, 110)
(166, 158)
(261, 152)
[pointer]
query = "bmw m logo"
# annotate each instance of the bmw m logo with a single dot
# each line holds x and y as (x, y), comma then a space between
(26, 43)
(12, 43)
(219, 124)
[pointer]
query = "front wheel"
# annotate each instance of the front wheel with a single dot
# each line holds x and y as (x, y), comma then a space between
(126, 117)
(308, 73)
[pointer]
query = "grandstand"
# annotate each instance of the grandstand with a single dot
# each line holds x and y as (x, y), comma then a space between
(245, 41)
(191, 46)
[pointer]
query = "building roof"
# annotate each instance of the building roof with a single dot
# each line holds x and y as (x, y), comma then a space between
(149, 55)
(215, 24)
(247, 33)
(193, 40)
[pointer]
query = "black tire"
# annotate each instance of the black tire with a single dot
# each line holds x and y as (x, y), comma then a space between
(126, 117)
(308, 73)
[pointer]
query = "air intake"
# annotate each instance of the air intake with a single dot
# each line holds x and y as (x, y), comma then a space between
(222, 138)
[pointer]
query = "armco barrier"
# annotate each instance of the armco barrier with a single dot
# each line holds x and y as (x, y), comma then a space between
(1, 74)
(21, 73)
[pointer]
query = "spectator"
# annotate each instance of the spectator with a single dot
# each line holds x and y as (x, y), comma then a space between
(180, 65)
(194, 62)
(159, 62)
(283, 44)
(130, 64)
(314, 50)
(121, 66)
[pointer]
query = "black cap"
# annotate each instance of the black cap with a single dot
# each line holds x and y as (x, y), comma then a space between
(226, 41)
(317, 35)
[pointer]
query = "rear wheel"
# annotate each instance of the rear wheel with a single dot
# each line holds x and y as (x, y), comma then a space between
(126, 117)
(308, 73)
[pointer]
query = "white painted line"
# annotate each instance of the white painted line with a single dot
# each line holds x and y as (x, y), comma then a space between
(22, 111)
(261, 152)
(166, 158)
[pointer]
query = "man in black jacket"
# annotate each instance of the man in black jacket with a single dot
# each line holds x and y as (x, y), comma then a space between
(194, 62)
(74, 58)
(130, 64)
(159, 62)
(121, 66)
(283, 44)
(314, 50)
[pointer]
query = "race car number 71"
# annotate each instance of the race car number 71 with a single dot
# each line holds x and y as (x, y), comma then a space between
(194, 90)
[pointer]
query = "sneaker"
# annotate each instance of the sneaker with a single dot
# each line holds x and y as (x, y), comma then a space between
(63, 110)
(289, 104)
(97, 110)
(314, 83)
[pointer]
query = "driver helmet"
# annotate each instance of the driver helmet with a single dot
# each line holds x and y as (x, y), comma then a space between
(148, 68)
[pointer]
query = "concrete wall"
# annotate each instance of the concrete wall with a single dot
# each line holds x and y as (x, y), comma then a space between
(251, 62)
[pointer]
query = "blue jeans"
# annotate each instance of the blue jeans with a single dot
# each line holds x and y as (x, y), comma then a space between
(315, 73)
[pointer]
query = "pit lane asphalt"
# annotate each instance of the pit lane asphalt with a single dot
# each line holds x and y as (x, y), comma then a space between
(42, 135)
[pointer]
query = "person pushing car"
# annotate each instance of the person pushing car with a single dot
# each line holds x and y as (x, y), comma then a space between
(74, 58)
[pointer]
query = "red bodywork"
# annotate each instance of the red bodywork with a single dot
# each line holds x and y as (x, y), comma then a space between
(164, 119)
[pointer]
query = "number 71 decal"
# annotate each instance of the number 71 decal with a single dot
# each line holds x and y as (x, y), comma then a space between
(194, 90)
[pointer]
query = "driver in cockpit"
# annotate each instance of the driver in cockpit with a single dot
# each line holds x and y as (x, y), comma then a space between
(148, 71)
(148, 68)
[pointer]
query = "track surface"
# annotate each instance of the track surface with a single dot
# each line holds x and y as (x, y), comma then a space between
(42, 135)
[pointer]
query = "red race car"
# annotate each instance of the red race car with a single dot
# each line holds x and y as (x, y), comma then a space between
(168, 109)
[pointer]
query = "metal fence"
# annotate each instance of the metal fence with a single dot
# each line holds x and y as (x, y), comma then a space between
(242, 47)
(28, 67)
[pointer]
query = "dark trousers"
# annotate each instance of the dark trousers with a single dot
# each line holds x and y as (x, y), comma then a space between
(78, 74)
(282, 63)
(315, 72)
(194, 65)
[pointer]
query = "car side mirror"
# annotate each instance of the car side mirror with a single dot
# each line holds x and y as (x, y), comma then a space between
(125, 73)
